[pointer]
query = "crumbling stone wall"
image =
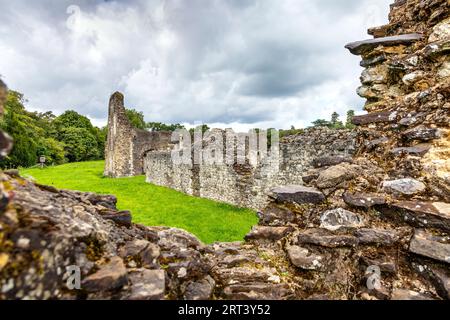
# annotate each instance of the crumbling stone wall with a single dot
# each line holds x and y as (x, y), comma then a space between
(373, 227)
(126, 146)
(245, 185)
(407, 86)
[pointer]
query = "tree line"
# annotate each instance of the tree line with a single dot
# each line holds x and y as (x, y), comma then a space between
(69, 137)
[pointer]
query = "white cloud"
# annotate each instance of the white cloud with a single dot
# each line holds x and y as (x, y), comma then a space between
(230, 63)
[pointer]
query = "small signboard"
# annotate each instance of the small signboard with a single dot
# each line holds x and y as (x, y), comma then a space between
(42, 161)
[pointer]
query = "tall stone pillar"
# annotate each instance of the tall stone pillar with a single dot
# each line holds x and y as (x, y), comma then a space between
(119, 145)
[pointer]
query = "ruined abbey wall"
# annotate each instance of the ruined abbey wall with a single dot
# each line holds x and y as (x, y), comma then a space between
(245, 185)
(374, 228)
(126, 146)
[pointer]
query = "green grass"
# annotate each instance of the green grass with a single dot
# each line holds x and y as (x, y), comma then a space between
(152, 205)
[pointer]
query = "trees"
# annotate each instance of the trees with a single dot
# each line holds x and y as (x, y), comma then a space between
(136, 118)
(68, 137)
(158, 126)
(20, 125)
(335, 123)
(72, 119)
(321, 123)
(79, 144)
(348, 123)
(82, 141)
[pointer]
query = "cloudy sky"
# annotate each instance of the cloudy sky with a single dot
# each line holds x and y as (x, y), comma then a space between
(230, 63)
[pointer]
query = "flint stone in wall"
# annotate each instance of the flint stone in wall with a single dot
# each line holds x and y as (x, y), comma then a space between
(441, 31)
(361, 47)
(363, 200)
(422, 134)
(375, 91)
(430, 246)
(444, 70)
(335, 175)
(298, 194)
(419, 214)
(133, 248)
(405, 186)
(304, 259)
(413, 77)
(378, 74)
(337, 218)
(372, 144)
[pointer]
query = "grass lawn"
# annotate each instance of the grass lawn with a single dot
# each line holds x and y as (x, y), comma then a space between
(152, 205)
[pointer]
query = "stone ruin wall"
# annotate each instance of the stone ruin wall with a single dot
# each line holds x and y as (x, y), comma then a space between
(406, 82)
(131, 152)
(126, 146)
(244, 185)
(385, 213)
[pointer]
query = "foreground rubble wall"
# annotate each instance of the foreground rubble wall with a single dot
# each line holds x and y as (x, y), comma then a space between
(373, 227)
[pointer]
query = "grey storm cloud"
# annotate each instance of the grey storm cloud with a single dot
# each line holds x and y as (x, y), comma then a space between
(231, 63)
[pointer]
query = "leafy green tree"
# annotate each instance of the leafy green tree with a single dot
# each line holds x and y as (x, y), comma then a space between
(321, 123)
(335, 122)
(101, 135)
(158, 126)
(21, 126)
(72, 119)
(136, 118)
(53, 151)
(64, 127)
(79, 144)
(348, 123)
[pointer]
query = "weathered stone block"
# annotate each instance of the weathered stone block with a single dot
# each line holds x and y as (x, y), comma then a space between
(338, 218)
(298, 194)
(363, 200)
(419, 214)
(361, 47)
(405, 186)
(374, 117)
(330, 161)
(304, 259)
(111, 276)
(147, 284)
(268, 233)
(430, 246)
